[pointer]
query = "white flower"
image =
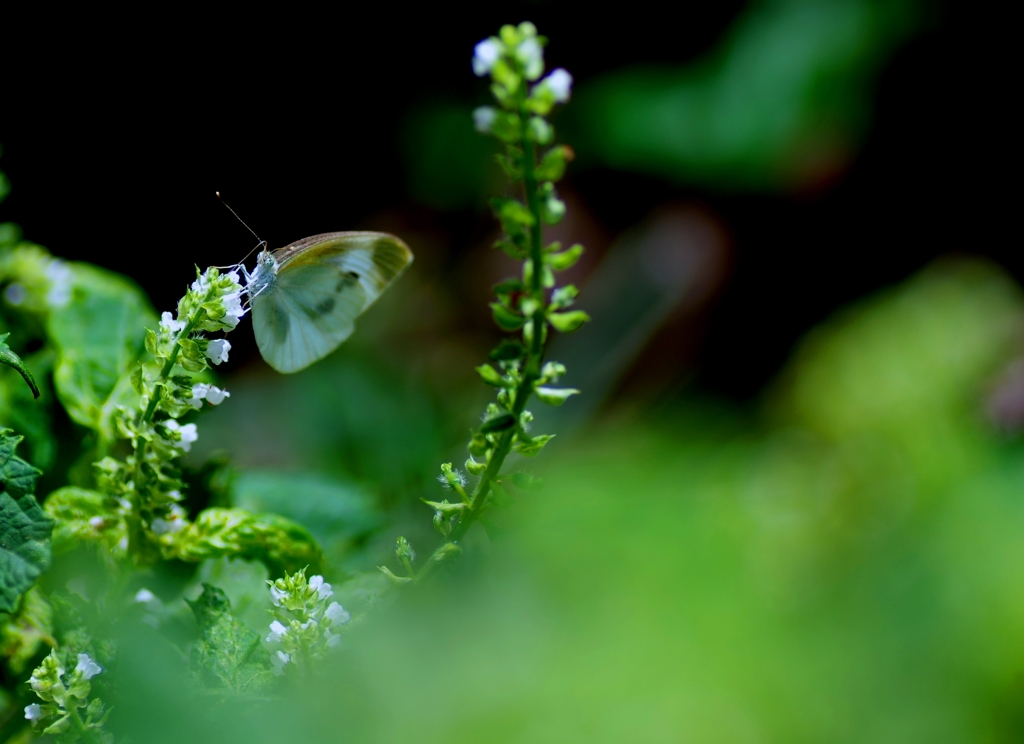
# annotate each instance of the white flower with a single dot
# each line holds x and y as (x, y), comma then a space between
(59, 293)
(96, 522)
(322, 589)
(144, 595)
(169, 324)
(278, 661)
(186, 434)
(337, 614)
(309, 624)
(201, 391)
(333, 641)
(276, 595)
(483, 118)
(160, 526)
(217, 350)
(33, 712)
(233, 308)
(87, 667)
(559, 82)
(530, 53)
(277, 631)
(485, 55)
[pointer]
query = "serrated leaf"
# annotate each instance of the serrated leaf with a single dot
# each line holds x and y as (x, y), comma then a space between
(24, 527)
(568, 322)
(227, 655)
(555, 396)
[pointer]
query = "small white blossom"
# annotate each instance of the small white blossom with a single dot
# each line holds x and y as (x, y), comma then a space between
(187, 434)
(87, 667)
(201, 391)
(311, 623)
(322, 589)
(96, 522)
(276, 595)
(278, 661)
(233, 308)
(485, 56)
(337, 614)
(217, 350)
(33, 712)
(559, 82)
(144, 595)
(59, 293)
(333, 641)
(483, 118)
(277, 631)
(160, 526)
(530, 53)
(169, 324)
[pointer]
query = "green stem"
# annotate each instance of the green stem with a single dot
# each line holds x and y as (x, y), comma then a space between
(478, 499)
(136, 536)
(84, 731)
(169, 365)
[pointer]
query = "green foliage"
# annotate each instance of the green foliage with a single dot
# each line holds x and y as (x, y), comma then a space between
(227, 656)
(27, 631)
(15, 362)
(99, 335)
(24, 527)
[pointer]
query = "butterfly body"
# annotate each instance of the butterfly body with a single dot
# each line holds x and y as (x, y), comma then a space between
(306, 296)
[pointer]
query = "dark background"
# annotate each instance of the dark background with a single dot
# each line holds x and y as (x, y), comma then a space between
(117, 129)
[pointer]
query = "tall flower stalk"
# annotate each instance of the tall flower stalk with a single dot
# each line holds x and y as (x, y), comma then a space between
(527, 305)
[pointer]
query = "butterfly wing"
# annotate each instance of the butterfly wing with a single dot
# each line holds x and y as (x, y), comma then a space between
(322, 285)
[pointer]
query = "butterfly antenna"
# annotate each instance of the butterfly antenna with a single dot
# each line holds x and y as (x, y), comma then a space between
(260, 244)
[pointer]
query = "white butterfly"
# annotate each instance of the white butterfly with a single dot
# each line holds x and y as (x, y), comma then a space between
(306, 296)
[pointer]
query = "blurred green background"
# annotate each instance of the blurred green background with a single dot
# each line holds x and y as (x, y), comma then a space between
(788, 506)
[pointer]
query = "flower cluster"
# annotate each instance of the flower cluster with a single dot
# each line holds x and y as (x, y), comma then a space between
(513, 59)
(304, 621)
(66, 710)
(527, 305)
(146, 485)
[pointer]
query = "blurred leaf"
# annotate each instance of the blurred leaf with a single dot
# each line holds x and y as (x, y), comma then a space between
(227, 655)
(15, 362)
(24, 527)
(339, 515)
(24, 633)
(782, 103)
(74, 509)
(99, 336)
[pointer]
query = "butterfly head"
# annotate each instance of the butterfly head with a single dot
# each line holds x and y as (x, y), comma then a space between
(263, 275)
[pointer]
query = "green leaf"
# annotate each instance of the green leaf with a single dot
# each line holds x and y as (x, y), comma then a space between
(14, 361)
(508, 351)
(227, 655)
(338, 514)
(25, 633)
(552, 165)
(555, 396)
(24, 526)
(74, 509)
(533, 445)
(498, 423)
(565, 259)
(492, 377)
(280, 544)
(99, 334)
(568, 322)
(505, 318)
